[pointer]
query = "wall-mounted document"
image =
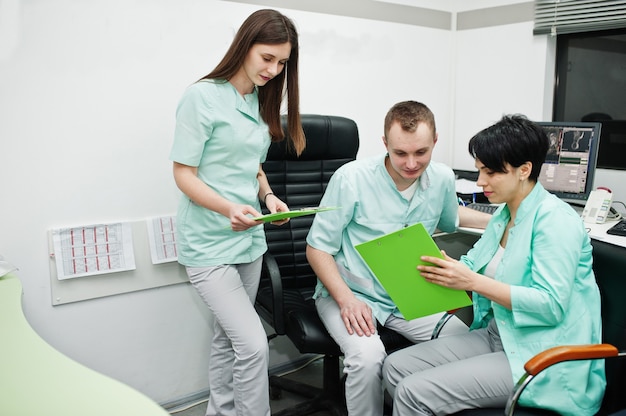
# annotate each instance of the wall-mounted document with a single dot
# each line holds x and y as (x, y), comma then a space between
(162, 239)
(93, 249)
(393, 258)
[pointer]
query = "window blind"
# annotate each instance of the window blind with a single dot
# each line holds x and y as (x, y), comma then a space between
(574, 16)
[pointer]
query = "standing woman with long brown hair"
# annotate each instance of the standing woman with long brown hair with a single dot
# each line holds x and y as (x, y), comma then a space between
(224, 125)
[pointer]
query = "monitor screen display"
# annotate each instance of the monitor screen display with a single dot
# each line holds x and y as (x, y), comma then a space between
(571, 161)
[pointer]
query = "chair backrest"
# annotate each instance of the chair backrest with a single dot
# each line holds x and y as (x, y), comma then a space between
(300, 182)
(609, 265)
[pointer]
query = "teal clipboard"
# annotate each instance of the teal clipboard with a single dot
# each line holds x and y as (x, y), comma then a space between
(394, 257)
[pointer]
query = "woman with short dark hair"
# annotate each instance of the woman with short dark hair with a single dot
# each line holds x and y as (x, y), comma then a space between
(532, 287)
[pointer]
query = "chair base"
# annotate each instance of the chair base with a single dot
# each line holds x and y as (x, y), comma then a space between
(329, 398)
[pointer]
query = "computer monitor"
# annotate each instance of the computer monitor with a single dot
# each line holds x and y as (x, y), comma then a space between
(571, 161)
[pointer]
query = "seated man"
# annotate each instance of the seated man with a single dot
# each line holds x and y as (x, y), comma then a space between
(377, 196)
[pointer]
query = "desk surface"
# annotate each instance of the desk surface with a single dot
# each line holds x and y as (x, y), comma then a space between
(36, 379)
(596, 232)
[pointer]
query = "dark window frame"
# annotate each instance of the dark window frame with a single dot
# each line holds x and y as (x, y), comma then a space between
(612, 152)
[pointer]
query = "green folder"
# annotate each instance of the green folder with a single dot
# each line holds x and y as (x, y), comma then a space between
(394, 257)
(277, 216)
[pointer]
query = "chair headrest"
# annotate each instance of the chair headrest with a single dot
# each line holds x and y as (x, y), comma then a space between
(327, 138)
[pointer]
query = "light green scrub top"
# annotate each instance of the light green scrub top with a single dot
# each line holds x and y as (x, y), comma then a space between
(372, 206)
(554, 295)
(223, 135)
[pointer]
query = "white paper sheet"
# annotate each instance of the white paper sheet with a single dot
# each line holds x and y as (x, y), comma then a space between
(93, 249)
(465, 186)
(162, 238)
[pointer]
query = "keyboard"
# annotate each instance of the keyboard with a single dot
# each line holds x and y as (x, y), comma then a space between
(618, 229)
(483, 207)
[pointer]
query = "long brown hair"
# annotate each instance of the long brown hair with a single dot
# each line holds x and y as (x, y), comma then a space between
(269, 27)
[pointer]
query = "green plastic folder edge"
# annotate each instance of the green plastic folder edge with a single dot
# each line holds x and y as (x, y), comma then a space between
(277, 216)
(394, 257)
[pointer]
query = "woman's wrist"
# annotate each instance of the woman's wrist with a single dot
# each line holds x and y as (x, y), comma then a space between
(266, 195)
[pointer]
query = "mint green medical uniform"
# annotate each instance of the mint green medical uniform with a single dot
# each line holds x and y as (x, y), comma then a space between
(371, 206)
(223, 135)
(554, 295)
(221, 132)
(555, 301)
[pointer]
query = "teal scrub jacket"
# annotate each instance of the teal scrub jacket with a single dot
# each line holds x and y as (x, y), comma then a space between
(222, 134)
(371, 206)
(554, 295)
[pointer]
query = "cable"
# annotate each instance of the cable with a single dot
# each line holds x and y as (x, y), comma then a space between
(188, 406)
(306, 364)
(620, 202)
(615, 215)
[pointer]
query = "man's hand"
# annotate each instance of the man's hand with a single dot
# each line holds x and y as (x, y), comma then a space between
(357, 317)
(356, 314)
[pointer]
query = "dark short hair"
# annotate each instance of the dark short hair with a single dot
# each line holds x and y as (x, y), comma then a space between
(513, 140)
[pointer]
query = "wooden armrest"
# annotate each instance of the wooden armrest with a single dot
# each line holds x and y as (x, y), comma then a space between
(553, 356)
(567, 353)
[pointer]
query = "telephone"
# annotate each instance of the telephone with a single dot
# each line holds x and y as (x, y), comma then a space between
(598, 206)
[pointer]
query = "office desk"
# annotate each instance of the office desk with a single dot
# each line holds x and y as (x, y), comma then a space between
(597, 232)
(36, 379)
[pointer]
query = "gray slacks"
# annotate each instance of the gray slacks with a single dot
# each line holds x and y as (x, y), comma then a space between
(364, 356)
(449, 374)
(238, 361)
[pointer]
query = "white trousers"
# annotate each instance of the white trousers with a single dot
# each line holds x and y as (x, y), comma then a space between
(449, 374)
(238, 361)
(364, 356)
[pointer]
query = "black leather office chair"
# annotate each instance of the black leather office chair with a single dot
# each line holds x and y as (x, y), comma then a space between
(609, 264)
(287, 281)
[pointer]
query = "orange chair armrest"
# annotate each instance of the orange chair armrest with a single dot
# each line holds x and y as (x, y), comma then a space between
(568, 353)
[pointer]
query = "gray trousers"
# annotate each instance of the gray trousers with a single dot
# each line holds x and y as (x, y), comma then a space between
(238, 361)
(449, 374)
(364, 356)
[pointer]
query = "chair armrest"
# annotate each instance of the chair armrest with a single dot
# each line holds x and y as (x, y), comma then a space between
(464, 313)
(553, 356)
(270, 268)
(441, 323)
(559, 354)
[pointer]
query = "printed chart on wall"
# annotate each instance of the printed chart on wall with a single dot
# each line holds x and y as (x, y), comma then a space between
(93, 249)
(162, 238)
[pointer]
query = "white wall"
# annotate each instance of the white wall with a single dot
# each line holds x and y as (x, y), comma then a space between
(87, 98)
(502, 70)
(359, 68)
(499, 70)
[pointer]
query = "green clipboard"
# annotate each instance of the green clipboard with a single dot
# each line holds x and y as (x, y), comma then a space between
(394, 257)
(277, 216)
